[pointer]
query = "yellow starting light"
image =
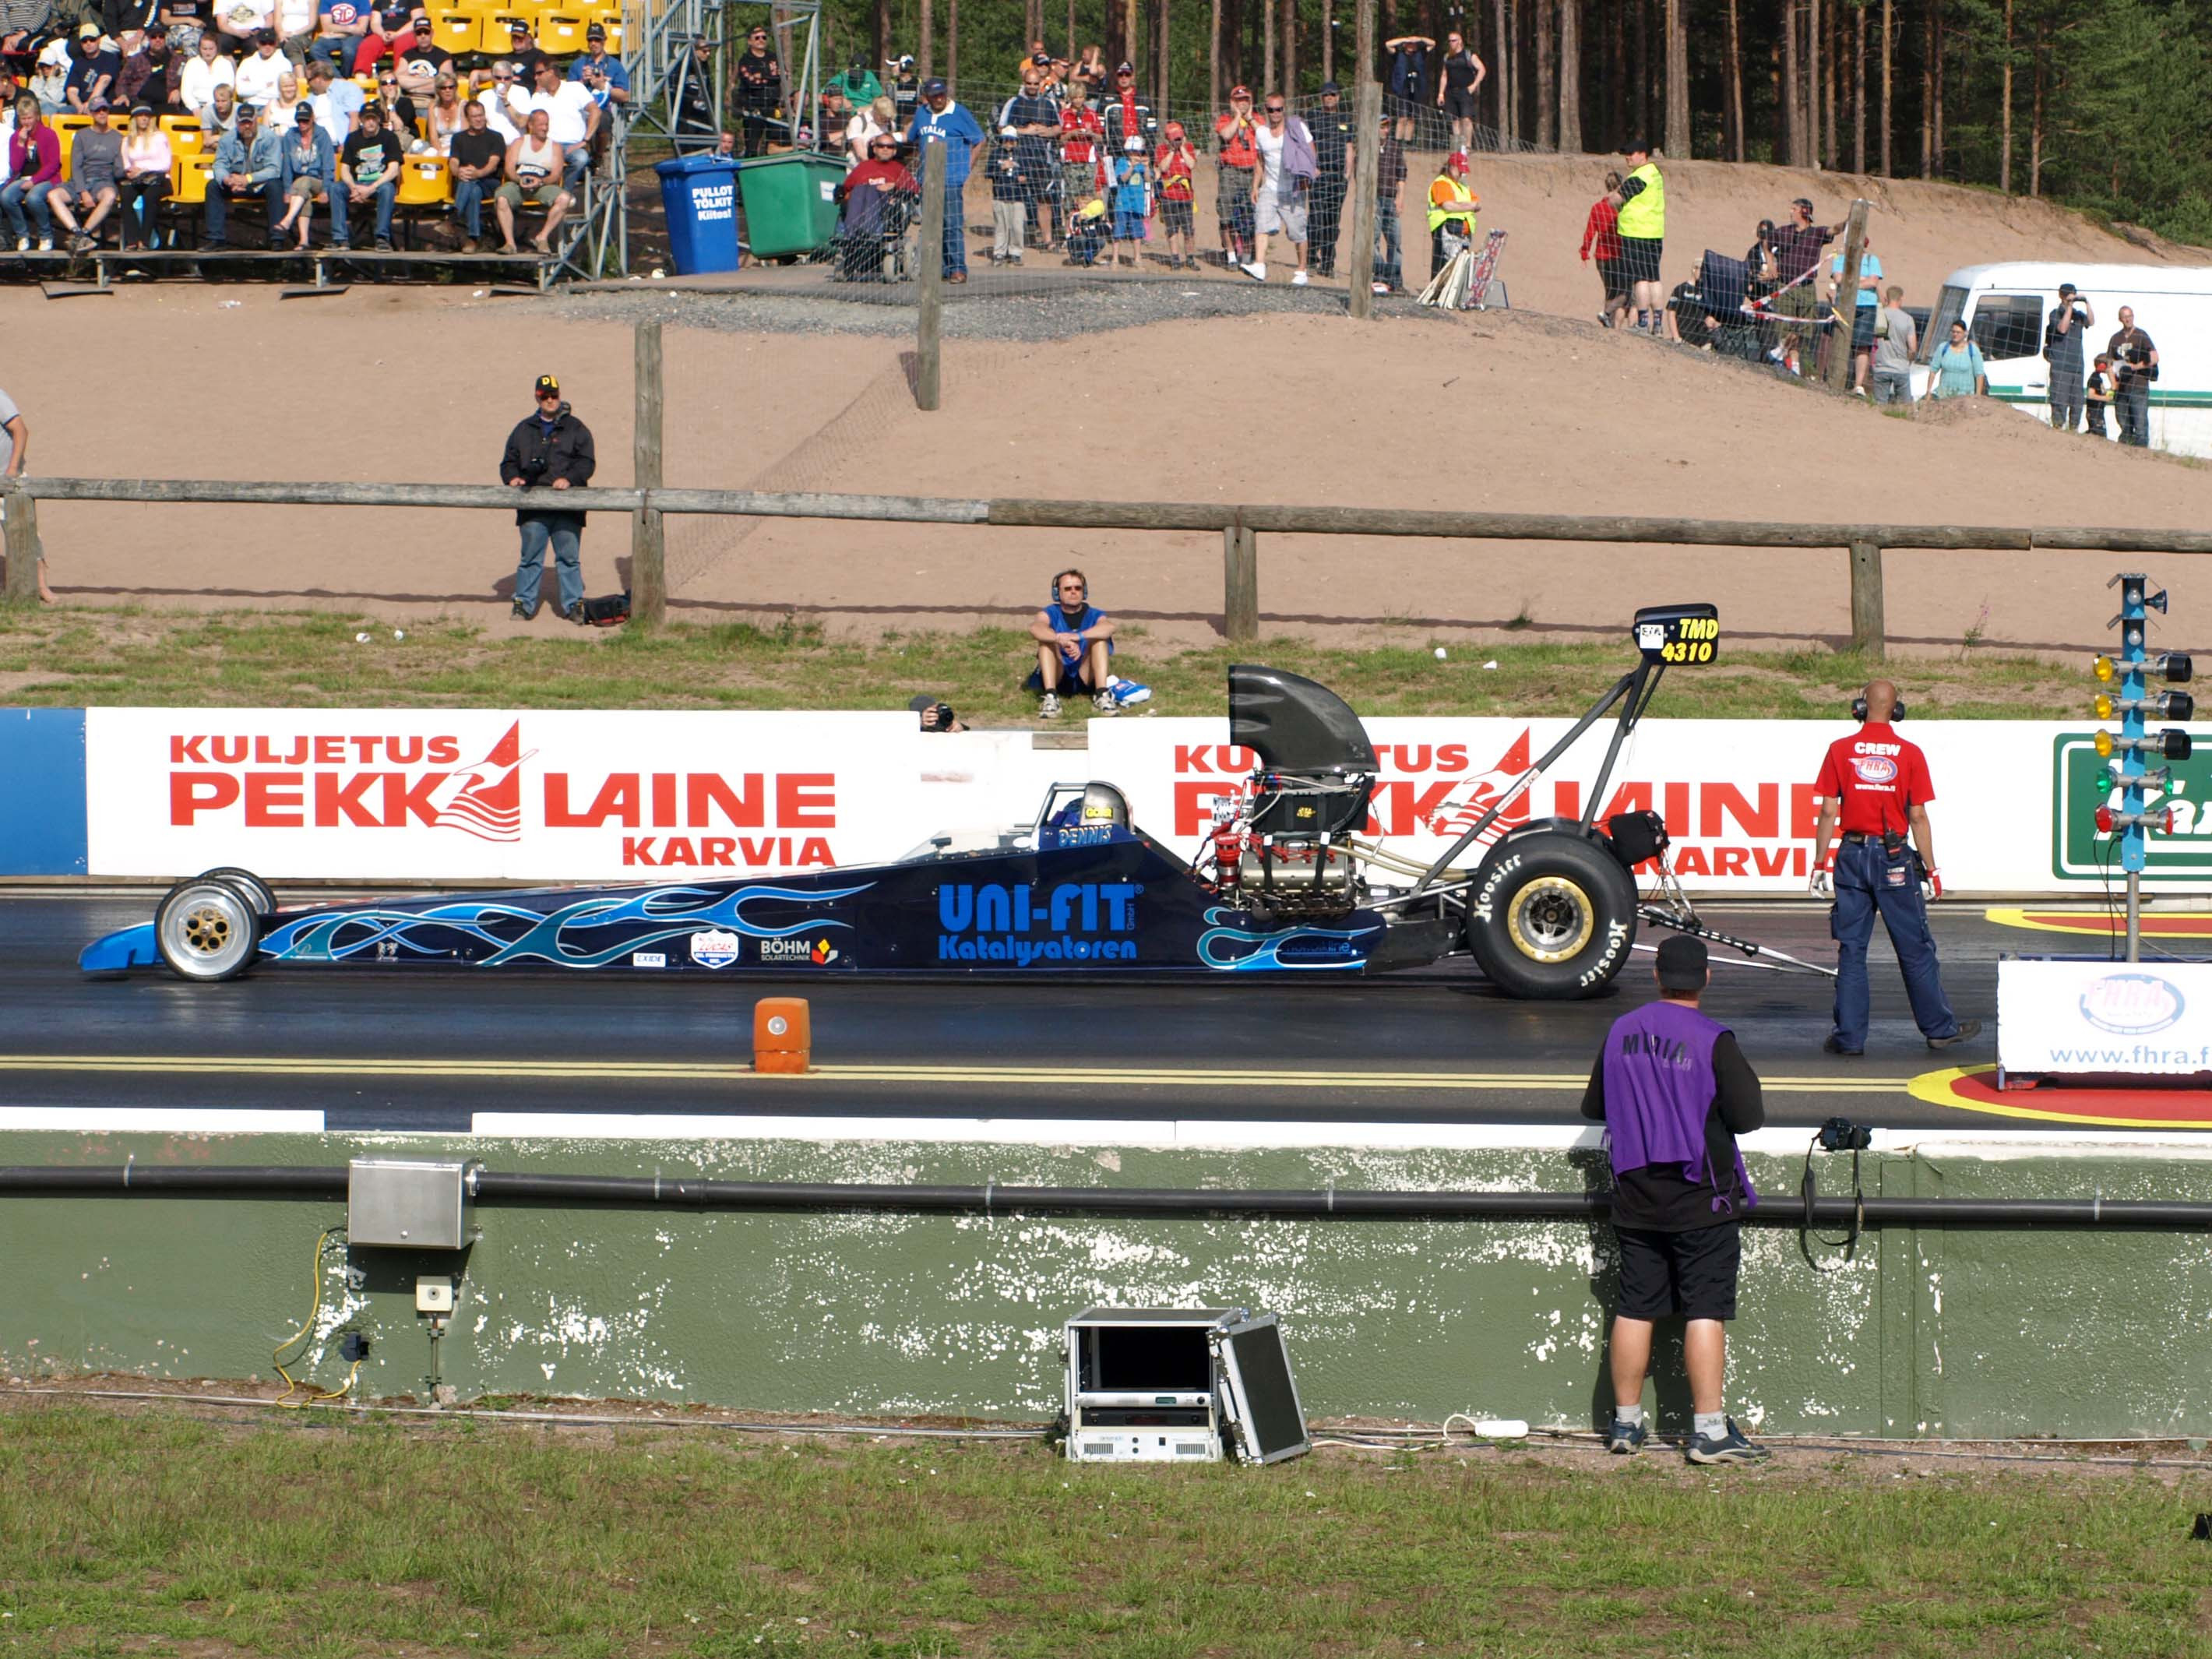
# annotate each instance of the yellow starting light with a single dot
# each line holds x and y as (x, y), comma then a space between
(2102, 706)
(2104, 741)
(2102, 668)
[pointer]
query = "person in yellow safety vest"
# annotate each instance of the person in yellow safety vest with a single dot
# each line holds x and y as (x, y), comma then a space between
(1452, 206)
(1641, 199)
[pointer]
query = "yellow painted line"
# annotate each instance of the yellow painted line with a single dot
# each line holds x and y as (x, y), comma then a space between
(1936, 1088)
(2096, 923)
(660, 1071)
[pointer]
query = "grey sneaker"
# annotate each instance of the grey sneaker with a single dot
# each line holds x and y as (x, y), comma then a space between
(1048, 707)
(1730, 1448)
(1625, 1439)
(1104, 703)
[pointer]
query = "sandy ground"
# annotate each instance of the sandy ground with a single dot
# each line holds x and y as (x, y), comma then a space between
(1521, 411)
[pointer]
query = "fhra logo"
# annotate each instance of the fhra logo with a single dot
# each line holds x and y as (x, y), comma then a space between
(1021, 923)
(1874, 768)
(2132, 1004)
(713, 948)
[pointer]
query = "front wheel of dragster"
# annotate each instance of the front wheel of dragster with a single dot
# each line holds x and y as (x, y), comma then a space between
(207, 930)
(1551, 915)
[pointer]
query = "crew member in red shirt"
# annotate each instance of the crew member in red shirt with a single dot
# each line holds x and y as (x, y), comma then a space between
(1877, 783)
(1601, 239)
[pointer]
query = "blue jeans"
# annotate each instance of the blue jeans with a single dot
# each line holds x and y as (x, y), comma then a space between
(386, 193)
(22, 193)
(336, 51)
(1387, 232)
(468, 203)
(561, 530)
(220, 197)
(1868, 879)
(956, 229)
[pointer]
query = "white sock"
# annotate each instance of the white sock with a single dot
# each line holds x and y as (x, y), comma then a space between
(1631, 1415)
(1712, 1425)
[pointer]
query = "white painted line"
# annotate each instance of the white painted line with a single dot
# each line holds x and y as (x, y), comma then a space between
(155, 1120)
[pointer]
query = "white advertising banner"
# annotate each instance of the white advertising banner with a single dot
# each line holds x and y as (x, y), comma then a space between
(2057, 1017)
(539, 796)
(1737, 795)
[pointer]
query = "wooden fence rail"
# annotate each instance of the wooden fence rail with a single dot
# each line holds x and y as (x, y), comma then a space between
(1239, 526)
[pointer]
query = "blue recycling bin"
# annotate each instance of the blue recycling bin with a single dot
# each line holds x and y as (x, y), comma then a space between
(699, 193)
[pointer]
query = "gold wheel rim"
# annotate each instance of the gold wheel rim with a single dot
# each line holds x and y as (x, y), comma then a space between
(1551, 920)
(207, 931)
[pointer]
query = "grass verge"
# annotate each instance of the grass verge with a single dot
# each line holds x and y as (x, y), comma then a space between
(161, 1533)
(315, 658)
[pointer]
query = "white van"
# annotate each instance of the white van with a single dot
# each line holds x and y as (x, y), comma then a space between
(2005, 306)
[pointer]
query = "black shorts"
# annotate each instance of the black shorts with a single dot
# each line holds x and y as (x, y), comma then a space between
(1174, 218)
(1616, 281)
(1639, 259)
(1071, 680)
(1862, 327)
(1691, 1273)
(1459, 103)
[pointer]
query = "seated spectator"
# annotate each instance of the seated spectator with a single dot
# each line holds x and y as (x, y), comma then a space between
(368, 167)
(340, 27)
(598, 60)
(147, 158)
(868, 120)
(259, 70)
(295, 22)
(221, 115)
(419, 65)
(248, 163)
(95, 179)
(534, 164)
(203, 71)
(22, 22)
(479, 160)
(442, 120)
(310, 174)
(144, 76)
(1086, 231)
(877, 196)
(336, 102)
(393, 26)
(281, 112)
(34, 177)
(183, 22)
(394, 107)
(49, 82)
(237, 22)
(571, 118)
(1074, 648)
(523, 55)
(93, 66)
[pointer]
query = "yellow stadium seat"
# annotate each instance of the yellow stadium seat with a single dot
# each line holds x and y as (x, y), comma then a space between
(456, 30)
(496, 36)
(189, 176)
(560, 32)
(188, 140)
(424, 181)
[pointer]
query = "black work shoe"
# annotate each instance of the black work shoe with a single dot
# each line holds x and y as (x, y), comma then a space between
(575, 613)
(1834, 1045)
(1967, 1028)
(524, 612)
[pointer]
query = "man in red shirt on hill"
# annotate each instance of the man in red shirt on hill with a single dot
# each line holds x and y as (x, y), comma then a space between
(1602, 240)
(1240, 153)
(1877, 784)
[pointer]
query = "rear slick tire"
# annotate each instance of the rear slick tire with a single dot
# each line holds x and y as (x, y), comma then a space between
(207, 931)
(1553, 916)
(257, 890)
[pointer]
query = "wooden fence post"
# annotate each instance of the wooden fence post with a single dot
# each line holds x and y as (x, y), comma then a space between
(1847, 299)
(1869, 631)
(1366, 164)
(648, 573)
(22, 545)
(1240, 581)
(929, 314)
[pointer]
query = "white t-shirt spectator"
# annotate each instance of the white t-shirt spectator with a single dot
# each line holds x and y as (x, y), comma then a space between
(496, 115)
(255, 82)
(296, 17)
(196, 86)
(1271, 158)
(242, 17)
(859, 131)
(566, 108)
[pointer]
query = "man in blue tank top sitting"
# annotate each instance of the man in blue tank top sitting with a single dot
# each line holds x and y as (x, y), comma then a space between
(1673, 1091)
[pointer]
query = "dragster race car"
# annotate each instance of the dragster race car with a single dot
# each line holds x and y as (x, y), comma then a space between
(1287, 883)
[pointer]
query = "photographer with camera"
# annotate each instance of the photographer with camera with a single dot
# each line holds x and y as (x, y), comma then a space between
(1877, 784)
(550, 449)
(2063, 333)
(2134, 359)
(1673, 1091)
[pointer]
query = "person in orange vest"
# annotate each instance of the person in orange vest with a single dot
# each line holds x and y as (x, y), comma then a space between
(1453, 207)
(1239, 133)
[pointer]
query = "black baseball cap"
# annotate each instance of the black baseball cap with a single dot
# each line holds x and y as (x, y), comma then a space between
(596, 32)
(1327, 87)
(931, 88)
(1636, 147)
(306, 114)
(548, 383)
(1682, 964)
(2068, 288)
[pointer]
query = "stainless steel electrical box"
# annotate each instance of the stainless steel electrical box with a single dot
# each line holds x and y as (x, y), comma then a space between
(407, 1205)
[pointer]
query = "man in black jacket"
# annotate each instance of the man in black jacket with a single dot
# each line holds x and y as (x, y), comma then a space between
(549, 449)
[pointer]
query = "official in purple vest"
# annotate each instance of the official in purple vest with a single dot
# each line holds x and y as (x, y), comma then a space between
(1673, 1093)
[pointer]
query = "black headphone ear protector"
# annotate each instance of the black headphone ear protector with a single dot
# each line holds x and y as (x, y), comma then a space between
(1085, 581)
(1859, 709)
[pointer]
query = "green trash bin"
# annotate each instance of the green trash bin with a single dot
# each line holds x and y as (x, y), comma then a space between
(789, 202)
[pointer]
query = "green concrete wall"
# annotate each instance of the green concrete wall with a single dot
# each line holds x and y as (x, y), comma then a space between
(1936, 1332)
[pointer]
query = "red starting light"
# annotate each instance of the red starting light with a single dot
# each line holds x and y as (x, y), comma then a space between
(2104, 820)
